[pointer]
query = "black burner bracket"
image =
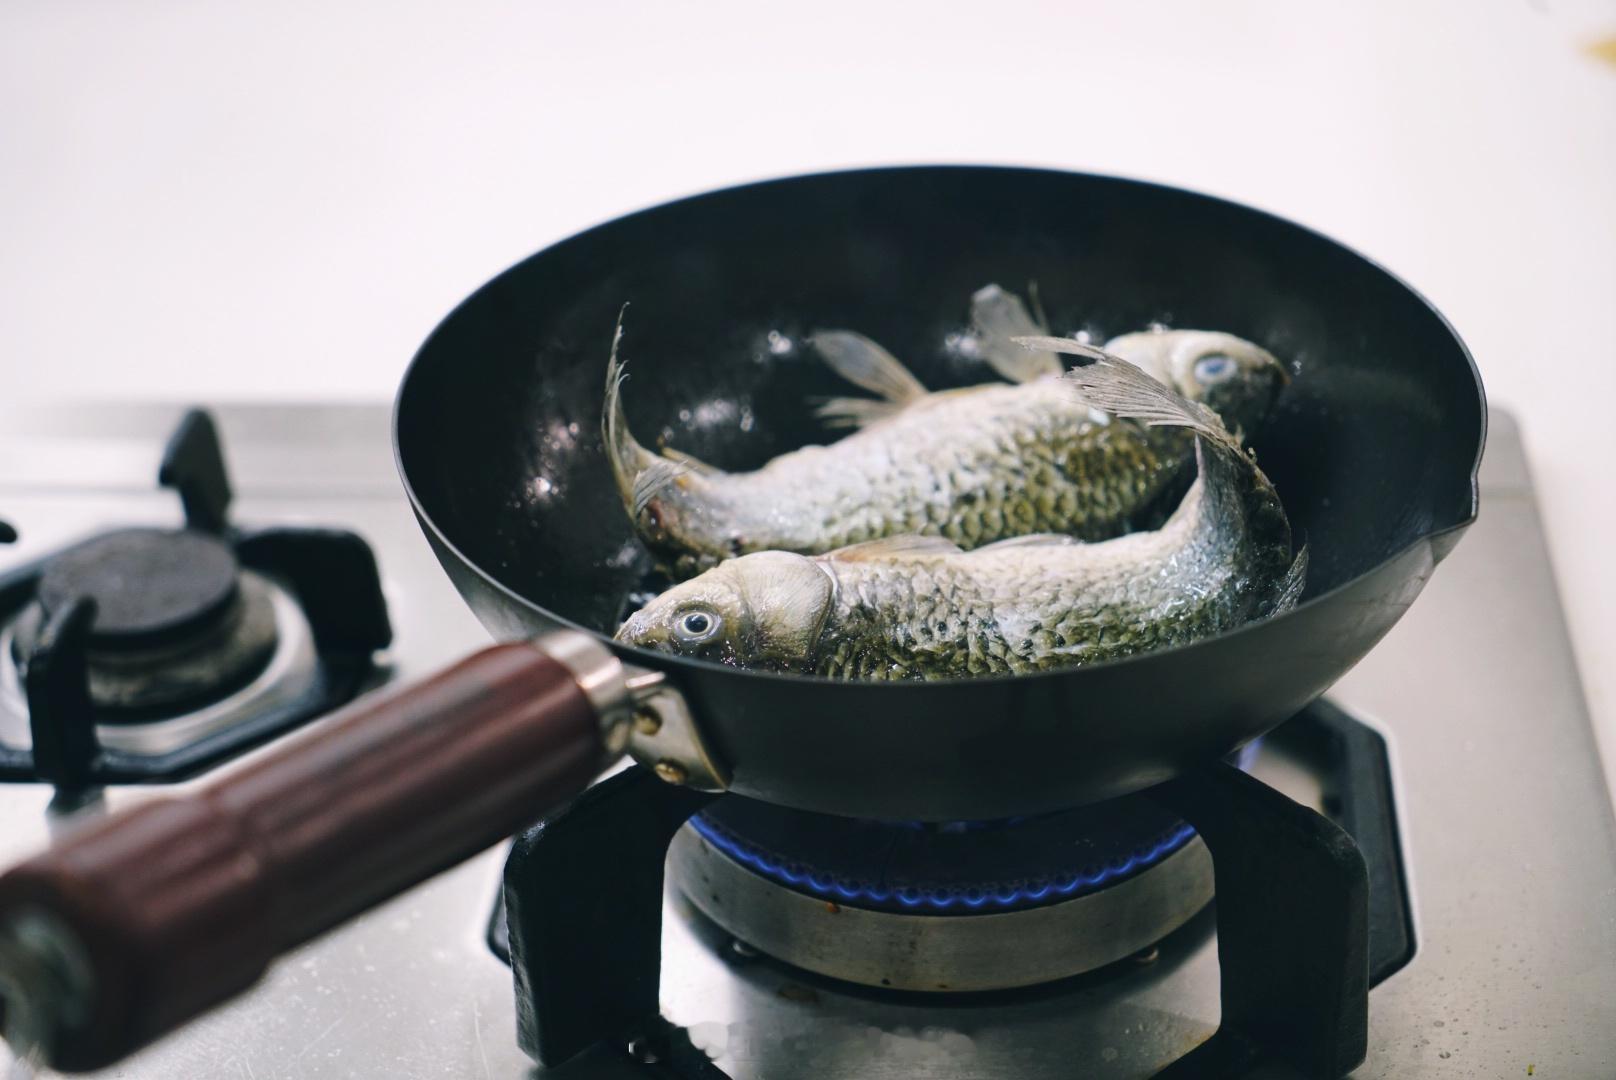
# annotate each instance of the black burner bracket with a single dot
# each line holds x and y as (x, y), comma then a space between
(583, 903)
(331, 572)
(1293, 929)
(193, 465)
(1307, 919)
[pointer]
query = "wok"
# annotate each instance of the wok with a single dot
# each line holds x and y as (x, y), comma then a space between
(1374, 449)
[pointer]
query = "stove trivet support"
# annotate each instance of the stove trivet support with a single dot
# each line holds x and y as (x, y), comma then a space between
(583, 895)
(1293, 929)
(193, 465)
(61, 717)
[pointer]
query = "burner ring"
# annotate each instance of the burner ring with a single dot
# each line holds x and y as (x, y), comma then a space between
(953, 868)
(935, 953)
(958, 906)
(956, 900)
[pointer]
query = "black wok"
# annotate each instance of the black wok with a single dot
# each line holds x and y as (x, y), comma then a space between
(127, 928)
(1374, 450)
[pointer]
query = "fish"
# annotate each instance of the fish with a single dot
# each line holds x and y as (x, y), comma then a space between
(920, 607)
(972, 465)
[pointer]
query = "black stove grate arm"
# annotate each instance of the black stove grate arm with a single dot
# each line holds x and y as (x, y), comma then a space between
(193, 465)
(334, 573)
(61, 718)
(1293, 929)
(583, 895)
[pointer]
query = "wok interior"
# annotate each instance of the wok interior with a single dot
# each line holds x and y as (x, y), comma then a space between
(1372, 446)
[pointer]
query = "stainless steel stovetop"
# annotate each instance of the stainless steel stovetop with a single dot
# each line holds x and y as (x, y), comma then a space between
(1506, 827)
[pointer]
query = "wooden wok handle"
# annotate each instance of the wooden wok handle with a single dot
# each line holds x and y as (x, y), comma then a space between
(131, 926)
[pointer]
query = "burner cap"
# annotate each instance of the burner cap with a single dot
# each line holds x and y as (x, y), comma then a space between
(151, 586)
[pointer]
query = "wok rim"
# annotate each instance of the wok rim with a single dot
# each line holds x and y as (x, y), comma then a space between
(673, 662)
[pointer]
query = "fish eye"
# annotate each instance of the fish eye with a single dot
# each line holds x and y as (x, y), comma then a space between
(1214, 368)
(694, 627)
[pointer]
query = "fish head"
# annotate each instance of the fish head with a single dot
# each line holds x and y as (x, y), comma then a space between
(1235, 378)
(765, 610)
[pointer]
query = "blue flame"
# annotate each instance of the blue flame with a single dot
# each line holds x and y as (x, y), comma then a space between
(832, 889)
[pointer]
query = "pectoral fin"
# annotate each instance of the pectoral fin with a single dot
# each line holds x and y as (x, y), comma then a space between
(854, 412)
(867, 365)
(690, 462)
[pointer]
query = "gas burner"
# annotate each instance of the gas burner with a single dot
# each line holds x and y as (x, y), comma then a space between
(147, 654)
(956, 907)
(581, 916)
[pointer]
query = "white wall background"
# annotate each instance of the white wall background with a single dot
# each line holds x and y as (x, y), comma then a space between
(226, 201)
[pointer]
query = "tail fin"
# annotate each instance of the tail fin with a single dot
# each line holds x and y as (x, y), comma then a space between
(640, 474)
(1113, 384)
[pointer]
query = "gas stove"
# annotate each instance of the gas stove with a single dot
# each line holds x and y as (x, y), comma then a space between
(1459, 755)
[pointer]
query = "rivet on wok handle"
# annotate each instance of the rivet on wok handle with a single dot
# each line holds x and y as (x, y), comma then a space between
(664, 736)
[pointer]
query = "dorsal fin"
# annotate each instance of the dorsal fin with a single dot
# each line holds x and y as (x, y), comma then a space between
(890, 546)
(867, 365)
(999, 318)
(1031, 540)
(1114, 385)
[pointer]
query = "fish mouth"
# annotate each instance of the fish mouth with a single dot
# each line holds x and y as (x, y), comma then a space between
(638, 632)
